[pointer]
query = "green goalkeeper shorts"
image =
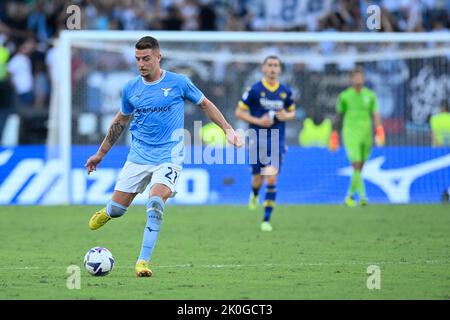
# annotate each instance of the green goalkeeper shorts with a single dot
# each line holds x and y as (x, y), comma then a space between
(358, 150)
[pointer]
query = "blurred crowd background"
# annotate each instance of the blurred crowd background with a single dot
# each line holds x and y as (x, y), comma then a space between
(28, 61)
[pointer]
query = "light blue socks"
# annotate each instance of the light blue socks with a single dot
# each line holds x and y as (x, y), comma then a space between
(115, 210)
(155, 209)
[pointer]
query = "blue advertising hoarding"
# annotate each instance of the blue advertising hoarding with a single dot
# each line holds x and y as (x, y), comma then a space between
(308, 176)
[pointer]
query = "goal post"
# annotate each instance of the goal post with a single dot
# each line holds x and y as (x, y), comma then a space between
(307, 55)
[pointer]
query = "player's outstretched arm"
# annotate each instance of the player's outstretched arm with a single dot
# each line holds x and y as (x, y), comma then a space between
(214, 114)
(115, 130)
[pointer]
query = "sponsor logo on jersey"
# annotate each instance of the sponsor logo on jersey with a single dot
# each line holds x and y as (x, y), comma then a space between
(153, 109)
(271, 104)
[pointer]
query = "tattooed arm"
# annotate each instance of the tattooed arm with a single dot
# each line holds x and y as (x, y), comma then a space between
(116, 128)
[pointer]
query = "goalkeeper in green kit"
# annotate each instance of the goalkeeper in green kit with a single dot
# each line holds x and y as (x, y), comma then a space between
(357, 108)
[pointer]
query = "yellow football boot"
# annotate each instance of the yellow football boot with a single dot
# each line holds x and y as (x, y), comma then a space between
(142, 269)
(253, 202)
(98, 219)
(350, 202)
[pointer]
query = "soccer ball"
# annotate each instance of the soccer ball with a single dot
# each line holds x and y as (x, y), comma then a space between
(98, 261)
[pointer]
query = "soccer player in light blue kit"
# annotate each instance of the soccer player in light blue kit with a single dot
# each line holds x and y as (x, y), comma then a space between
(156, 100)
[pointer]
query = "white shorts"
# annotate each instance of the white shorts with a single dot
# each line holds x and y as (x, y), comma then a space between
(134, 178)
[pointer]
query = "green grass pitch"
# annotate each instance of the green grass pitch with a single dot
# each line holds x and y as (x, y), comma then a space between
(218, 252)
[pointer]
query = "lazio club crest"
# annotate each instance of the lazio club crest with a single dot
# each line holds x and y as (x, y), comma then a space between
(166, 91)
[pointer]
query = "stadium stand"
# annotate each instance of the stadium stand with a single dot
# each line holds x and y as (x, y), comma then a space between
(41, 21)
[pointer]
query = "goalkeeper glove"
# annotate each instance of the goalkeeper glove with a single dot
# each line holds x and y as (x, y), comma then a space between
(379, 136)
(334, 141)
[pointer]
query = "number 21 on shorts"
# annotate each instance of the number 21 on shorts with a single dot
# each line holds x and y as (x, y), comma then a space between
(172, 175)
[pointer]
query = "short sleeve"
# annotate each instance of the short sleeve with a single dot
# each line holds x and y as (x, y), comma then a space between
(127, 108)
(341, 106)
(191, 92)
(289, 104)
(247, 99)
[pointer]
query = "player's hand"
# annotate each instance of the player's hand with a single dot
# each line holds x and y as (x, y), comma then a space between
(333, 144)
(265, 121)
(379, 136)
(281, 115)
(234, 138)
(92, 162)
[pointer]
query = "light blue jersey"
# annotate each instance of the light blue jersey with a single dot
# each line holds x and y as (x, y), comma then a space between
(158, 109)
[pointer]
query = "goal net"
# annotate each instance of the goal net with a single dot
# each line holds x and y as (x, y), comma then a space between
(410, 74)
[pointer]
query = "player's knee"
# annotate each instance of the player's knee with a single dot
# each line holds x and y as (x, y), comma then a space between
(161, 191)
(257, 180)
(115, 209)
(271, 180)
(155, 208)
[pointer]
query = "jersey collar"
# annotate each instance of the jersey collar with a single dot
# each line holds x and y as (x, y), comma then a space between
(270, 87)
(156, 81)
(354, 90)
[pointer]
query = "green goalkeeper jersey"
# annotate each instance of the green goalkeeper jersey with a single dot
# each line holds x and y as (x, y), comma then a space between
(357, 109)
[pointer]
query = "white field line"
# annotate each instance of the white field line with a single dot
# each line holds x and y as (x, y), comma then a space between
(263, 265)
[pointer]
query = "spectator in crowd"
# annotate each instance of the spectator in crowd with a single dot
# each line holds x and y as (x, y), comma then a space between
(131, 15)
(174, 20)
(14, 20)
(41, 20)
(440, 135)
(41, 86)
(440, 126)
(316, 131)
(5, 96)
(20, 71)
(4, 57)
(190, 11)
(207, 17)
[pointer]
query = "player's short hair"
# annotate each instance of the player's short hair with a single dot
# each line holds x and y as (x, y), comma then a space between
(271, 57)
(445, 106)
(147, 43)
(357, 69)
